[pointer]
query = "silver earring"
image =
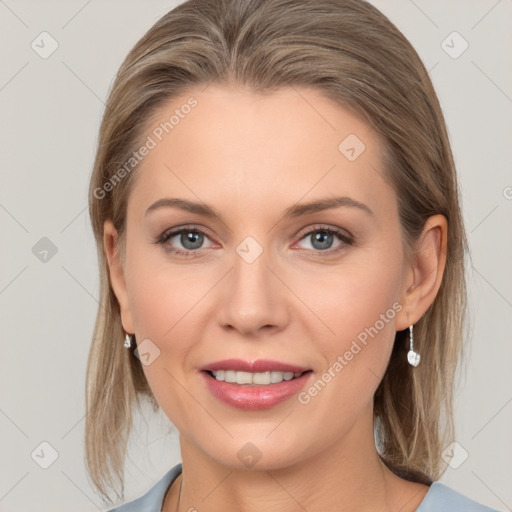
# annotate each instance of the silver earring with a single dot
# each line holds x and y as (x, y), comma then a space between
(412, 356)
(128, 341)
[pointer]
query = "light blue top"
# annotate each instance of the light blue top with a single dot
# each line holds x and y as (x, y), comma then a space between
(439, 498)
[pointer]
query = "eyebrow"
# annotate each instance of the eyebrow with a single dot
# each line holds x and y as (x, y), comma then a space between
(294, 211)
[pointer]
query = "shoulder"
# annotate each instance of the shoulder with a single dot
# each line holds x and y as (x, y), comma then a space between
(152, 500)
(441, 498)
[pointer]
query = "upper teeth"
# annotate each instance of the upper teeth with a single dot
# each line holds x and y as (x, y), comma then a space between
(263, 378)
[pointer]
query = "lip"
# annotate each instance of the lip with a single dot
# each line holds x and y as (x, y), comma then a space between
(260, 365)
(254, 397)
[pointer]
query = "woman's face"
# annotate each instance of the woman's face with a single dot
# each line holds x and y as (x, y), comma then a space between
(263, 280)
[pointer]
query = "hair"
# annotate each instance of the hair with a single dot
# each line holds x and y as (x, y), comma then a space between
(352, 54)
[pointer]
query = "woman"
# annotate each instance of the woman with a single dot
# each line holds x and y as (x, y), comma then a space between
(281, 247)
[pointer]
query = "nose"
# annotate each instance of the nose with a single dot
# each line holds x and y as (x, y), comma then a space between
(255, 299)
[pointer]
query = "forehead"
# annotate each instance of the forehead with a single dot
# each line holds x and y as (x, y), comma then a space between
(226, 144)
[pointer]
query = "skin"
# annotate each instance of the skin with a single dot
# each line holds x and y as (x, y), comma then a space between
(250, 157)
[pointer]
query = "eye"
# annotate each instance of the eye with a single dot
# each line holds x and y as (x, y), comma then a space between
(191, 239)
(322, 237)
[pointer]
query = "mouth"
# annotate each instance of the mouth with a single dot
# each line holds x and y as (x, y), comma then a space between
(254, 385)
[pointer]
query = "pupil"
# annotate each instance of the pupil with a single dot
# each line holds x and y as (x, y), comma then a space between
(321, 236)
(191, 237)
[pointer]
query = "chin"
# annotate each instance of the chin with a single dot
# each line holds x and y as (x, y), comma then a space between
(256, 452)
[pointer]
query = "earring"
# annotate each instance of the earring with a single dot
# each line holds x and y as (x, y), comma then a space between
(128, 341)
(412, 356)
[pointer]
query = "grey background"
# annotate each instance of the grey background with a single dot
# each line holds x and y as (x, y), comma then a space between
(50, 114)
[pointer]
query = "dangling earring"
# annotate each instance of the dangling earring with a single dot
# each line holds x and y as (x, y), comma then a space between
(128, 341)
(412, 356)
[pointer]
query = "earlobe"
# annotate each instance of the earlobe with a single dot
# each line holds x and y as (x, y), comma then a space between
(426, 273)
(117, 273)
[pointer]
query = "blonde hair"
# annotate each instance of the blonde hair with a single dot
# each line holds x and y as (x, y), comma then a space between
(354, 55)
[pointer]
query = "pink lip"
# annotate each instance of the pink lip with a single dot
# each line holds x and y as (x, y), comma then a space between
(261, 365)
(251, 396)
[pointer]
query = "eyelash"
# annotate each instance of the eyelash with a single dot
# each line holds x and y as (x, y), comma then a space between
(347, 240)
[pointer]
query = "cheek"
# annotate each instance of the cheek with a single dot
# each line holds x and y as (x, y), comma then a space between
(164, 297)
(167, 305)
(165, 309)
(355, 355)
(352, 296)
(357, 303)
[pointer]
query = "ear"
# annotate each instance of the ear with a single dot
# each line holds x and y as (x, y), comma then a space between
(117, 273)
(423, 278)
